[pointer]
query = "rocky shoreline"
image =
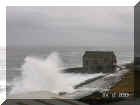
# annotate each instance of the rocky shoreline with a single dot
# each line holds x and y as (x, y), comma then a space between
(81, 70)
(125, 85)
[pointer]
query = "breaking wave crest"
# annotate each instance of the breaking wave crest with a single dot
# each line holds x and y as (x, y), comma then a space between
(45, 74)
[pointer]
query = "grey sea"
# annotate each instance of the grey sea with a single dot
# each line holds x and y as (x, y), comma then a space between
(19, 58)
(69, 56)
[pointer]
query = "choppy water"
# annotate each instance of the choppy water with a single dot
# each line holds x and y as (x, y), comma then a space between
(28, 62)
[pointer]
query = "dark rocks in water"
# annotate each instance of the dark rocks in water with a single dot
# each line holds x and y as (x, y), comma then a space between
(62, 93)
(74, 70)
(83, 70)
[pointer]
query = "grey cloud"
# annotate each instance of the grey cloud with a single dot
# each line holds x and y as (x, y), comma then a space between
(69, 26)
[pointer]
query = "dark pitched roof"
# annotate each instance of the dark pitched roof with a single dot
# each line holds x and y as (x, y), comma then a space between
(99, 53)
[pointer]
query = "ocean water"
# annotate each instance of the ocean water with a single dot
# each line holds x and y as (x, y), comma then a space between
(39, 68)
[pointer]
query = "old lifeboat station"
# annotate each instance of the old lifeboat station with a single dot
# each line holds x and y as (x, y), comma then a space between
(96, 61)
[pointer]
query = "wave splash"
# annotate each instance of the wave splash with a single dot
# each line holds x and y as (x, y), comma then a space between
(45, 74)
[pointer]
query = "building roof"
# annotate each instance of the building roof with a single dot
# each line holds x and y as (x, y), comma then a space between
(99, 53)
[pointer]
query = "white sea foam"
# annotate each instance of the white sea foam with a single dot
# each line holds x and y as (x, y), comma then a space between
(45, 74)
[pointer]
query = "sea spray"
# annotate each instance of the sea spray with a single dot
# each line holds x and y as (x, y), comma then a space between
(45, 74)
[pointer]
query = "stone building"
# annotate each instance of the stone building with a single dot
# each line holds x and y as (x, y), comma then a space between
(99, 61)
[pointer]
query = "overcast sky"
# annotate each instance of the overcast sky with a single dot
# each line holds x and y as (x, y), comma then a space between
(70, 26)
